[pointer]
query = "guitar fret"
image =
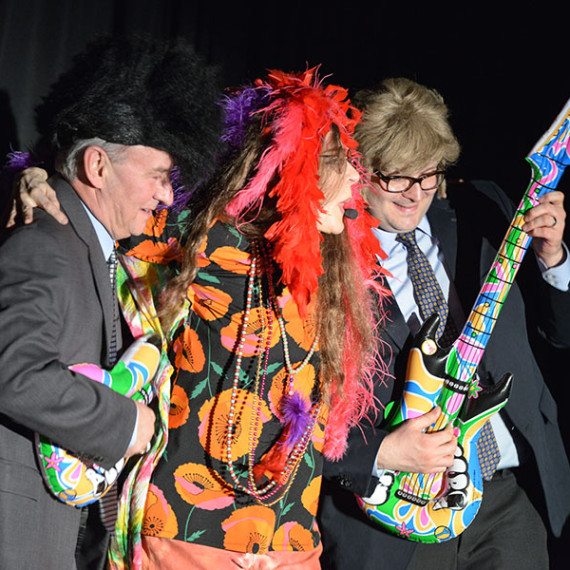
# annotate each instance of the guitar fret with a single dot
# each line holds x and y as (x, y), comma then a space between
(515, 255)
(513, 244)
(485, 296)
(496, 280)
(476, 328)
(493, 309)
(466, 339)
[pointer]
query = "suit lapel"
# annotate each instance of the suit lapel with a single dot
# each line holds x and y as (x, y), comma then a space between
(443, 222)
(394, 325)
(78, 218)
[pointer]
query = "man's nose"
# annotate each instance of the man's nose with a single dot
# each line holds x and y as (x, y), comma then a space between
(165, 195)
(414, 191)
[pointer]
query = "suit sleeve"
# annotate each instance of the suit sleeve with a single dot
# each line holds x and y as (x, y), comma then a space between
(548, 306)
(38, 390)
(354, 472)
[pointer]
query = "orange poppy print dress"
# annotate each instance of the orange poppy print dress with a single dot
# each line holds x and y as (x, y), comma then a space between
(241, 470)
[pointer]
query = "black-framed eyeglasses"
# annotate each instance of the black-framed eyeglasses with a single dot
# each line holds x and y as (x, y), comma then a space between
(399, 184)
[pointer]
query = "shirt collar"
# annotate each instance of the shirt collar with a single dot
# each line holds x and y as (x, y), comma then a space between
(105, 240)
(388, 239)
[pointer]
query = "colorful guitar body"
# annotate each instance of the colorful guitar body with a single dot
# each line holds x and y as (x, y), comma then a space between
(434, 508)
(73, 479)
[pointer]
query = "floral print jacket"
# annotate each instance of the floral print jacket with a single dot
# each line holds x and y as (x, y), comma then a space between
(188, 491)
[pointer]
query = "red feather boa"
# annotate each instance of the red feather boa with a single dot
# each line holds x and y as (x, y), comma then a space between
(299, 113)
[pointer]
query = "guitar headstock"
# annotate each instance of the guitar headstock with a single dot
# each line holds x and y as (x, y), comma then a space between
(551, 154)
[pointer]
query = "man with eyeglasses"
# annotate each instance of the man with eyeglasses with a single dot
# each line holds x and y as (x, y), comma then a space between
(408, 143)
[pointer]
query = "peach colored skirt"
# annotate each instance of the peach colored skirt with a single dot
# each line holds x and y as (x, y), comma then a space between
(166, 554)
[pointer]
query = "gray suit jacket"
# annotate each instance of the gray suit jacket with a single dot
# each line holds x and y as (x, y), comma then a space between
(55, 310)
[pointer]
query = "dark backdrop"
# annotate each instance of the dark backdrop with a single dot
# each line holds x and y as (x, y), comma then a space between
(504, 73)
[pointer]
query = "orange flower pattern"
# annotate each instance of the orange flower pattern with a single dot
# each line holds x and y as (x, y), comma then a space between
(292, 536)
(253, 340)
(249, 529)
(302, 383)
(303, 331)
(208, 302)
(179, 407)
(191, 484)
(199, 486)
(189, 352)
(213, 429)
(157, 244)
(159, 518)
(310, 496)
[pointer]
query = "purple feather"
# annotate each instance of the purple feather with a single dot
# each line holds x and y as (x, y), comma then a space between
(180, 193)
(239, 108)
(16, 161)
(19, 160)
(296, 412)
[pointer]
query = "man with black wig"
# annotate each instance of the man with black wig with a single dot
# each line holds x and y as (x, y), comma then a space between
(115, 125)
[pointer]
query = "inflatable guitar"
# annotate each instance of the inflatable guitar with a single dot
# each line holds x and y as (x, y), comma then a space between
(76, 480)
(436, 507)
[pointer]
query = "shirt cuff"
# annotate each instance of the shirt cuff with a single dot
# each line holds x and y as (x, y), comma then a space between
(559, 276)
(134, 436)
(376, 472)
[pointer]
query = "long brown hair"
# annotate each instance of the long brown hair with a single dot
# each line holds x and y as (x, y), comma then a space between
(341, 292)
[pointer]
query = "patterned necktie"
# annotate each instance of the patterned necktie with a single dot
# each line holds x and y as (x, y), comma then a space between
(488, 451)
(112, 266)
(430, 299)
(108, 503)
(427, 292)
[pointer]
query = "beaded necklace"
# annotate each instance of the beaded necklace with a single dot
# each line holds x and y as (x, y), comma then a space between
(260, 256)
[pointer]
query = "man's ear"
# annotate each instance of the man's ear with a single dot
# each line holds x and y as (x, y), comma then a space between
(95, 165)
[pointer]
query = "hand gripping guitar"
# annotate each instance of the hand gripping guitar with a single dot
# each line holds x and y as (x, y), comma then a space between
(436, 507)
(78, 481)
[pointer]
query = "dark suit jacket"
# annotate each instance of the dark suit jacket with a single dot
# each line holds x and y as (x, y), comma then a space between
(55, 310)
(470, 226)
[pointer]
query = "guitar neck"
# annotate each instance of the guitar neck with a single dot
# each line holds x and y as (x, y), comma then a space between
(469, 347)
(548, 159)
